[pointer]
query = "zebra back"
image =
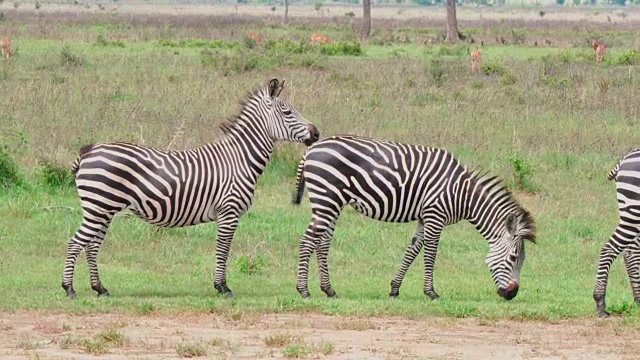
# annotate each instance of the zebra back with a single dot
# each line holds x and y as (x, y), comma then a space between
(614, 171)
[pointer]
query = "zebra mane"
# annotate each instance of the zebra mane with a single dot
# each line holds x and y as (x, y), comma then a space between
(494, 188)
(230, 123)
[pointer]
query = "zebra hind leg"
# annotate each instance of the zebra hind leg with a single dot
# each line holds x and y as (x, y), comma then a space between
(86, 237)
(619, 242)
(322, 254)
(92, 261)
(308, 244)
(413, 249)
(73, 250)
(632, 263)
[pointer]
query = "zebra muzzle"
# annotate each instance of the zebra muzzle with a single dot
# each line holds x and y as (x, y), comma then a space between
(510, 291)
(314, 135)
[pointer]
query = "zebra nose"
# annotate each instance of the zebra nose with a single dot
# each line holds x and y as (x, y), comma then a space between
(510, 291)
(314, 134)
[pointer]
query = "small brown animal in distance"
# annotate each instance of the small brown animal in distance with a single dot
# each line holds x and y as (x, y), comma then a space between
(476, 59)
(255, 36)
(318, 38)
(600, 50)
(6, 48)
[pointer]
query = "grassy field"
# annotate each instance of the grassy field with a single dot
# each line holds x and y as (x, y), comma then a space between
(545, 117)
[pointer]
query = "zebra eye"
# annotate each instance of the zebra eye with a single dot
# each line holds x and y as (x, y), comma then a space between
(286, 112)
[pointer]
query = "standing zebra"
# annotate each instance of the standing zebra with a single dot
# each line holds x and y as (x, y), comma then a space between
(625, 238)
(215, 182)
(395, 182)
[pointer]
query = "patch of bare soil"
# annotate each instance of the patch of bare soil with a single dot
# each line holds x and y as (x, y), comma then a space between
(119, 336)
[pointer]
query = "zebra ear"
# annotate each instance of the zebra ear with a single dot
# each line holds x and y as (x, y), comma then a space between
(274, 88)
(280, 88)
(511, 222)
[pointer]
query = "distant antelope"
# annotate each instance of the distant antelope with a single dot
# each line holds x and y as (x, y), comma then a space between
(600, 50)
(6, 48)
(255, 36)
(476, 59)
(318, 38)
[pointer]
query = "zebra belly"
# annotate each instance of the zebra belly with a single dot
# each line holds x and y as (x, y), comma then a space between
(391, 214)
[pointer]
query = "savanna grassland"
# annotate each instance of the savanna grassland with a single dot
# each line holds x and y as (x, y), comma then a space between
(541, 114)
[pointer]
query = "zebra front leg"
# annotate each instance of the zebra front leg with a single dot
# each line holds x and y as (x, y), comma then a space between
(431, 239)
(632, 263)
(413, 249)
(227, 226)
(619, 241)
(322, 254)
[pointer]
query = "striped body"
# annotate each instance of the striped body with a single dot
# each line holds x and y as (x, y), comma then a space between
(215, 182)
(395, 182)
(626, 237)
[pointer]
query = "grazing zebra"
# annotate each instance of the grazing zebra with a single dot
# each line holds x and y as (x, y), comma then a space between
(625, 238)
(215, 182)
(395, 182)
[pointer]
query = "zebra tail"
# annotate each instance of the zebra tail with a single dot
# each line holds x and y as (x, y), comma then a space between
(614, 172)
(297, 195)
(76, 163)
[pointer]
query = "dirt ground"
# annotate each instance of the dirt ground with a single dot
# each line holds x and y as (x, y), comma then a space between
(117, 336)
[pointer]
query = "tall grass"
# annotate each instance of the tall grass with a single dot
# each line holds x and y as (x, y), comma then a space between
(546, 119)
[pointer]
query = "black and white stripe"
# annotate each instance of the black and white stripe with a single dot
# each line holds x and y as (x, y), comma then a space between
(625, 238)
(215, 182)
(395, 182)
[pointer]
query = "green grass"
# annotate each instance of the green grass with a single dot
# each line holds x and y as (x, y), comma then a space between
(568, 126)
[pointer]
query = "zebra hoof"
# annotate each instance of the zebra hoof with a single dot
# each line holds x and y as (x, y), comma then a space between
(224, 290)
(105, 293)
(330, 293)
(394, 293)
(603, 314)
(71, 295)
(432, 295)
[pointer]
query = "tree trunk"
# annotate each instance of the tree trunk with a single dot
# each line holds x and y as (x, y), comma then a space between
(286, 11)
(366, 25)
(452, 22)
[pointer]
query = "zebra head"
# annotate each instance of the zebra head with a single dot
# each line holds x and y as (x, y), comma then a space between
(506, 255)
(284, 121)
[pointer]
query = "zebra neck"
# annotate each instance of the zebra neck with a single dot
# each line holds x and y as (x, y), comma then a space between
(250, 144)
(488, 208)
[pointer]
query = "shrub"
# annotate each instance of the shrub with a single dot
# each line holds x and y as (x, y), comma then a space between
(627, 57)
(9, 172)
(54, 176)
(68, 58)
(351, 48)
(493, 67)
(522, 171)
(250, 264)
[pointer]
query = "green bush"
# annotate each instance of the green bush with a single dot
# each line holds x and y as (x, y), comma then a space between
(9, 171)
(351, 48)
(55, 176)
(627, 57)
(493, 67)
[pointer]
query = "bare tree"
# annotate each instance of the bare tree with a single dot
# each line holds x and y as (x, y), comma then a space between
(286, 11)
(366, 26)
(452, 22)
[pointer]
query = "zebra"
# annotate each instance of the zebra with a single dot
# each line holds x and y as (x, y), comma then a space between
(625, 237)
(395, 182)
(215, 182)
